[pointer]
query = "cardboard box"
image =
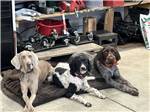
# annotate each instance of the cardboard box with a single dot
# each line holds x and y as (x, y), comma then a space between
(89, 24)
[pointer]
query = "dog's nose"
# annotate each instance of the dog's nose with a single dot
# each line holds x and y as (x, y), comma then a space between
(111, 58)
(83, 68)
(29, 65)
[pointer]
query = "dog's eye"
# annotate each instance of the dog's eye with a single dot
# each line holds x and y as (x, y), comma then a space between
(112, 51)
(83, 60)
(106, 52)
(23, 57)
(30, 56)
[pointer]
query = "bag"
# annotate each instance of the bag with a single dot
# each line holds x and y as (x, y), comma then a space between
(145, 29)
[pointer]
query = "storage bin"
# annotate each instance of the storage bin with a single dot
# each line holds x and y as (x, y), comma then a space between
(93, 3)
(45, 27)
(113, 3)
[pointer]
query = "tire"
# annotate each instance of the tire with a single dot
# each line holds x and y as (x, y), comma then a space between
(66, 41)
(90, 36)
(45, 42)
(76, 40)
(28, 46)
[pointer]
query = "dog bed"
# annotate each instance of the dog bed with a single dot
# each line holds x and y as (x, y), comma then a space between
(10, 86)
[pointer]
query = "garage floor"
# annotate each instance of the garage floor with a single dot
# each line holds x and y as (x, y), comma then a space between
(134, 66)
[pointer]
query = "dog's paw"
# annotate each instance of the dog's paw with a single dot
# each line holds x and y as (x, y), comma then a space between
(134, 92)
(88, 104)
(135, 89)
(25, 109)
(31, 109)
(101, 96)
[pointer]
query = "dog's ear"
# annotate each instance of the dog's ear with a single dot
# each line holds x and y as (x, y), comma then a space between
(99, 55)
(89, 65)
(15, 62)
(73, 65)
(34, 59)
(117, 55)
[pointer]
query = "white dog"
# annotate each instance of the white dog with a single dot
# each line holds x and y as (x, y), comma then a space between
(33, 73)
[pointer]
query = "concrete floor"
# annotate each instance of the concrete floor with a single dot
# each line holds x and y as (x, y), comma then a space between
(134, 66)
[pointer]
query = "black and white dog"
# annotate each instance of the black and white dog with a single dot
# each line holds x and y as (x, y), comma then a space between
(73, 76)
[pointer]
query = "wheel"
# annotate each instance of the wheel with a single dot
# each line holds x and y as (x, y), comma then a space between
(66, 41)
(28, 46)
(76, 40)
(45, 42)
(90, 36)
(32, 39)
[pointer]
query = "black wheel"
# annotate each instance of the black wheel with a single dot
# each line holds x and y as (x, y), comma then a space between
(45, 42)
(32, 39)
(90, 36)
(76, 40)
(66, 41)
(28, 46)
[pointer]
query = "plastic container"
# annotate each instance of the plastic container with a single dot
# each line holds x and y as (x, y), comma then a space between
(94, 3)
(113, 3)
(45, 27)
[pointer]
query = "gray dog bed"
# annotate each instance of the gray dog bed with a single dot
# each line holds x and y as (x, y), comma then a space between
(10, 86)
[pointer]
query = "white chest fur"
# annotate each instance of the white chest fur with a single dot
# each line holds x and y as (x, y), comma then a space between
(29, 78)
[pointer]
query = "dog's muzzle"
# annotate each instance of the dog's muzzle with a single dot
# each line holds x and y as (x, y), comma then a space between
(83, 69)
(110, 61)
(29, 67)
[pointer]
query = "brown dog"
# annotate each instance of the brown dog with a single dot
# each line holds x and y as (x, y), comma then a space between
(33, 73)
(106, 64)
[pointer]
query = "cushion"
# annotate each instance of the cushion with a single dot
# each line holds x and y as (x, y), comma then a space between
(10, 86)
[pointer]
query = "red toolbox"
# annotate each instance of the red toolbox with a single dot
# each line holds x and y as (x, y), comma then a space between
(45, 27)
(113, 3)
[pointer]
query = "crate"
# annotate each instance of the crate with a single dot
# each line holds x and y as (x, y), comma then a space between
(45, 27)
